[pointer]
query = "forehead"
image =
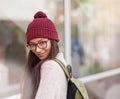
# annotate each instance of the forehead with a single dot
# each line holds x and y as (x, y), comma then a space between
(35, 40)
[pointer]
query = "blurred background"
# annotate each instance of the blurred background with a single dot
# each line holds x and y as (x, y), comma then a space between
(89, 28)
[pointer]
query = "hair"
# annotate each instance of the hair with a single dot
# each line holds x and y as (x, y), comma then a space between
(33, 68)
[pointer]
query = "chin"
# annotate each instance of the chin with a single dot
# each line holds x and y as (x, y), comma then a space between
(42, 58)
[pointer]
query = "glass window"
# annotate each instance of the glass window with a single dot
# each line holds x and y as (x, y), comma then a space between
(107, 88)
(95, 36)
(13, 23)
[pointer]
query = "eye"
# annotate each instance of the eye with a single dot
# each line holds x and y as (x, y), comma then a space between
(42, 43)
(32, 45)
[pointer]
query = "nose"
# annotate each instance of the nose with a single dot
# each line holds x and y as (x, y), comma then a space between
(38, 49)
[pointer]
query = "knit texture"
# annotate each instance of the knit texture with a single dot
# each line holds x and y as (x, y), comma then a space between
(41, 27)
(53, 82)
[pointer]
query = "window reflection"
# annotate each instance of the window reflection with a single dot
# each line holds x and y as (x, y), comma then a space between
(15, 55)
(107, 88)
(12, 38)
(96, 24)
(95, 27)
(12, 54)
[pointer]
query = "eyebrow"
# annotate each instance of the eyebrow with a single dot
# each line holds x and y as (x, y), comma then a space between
(38, 41)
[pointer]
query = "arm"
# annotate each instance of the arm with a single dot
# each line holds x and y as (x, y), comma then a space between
(53, 82)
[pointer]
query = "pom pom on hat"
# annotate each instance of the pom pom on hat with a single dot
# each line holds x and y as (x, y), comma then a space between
(41, 27)
(40, 14)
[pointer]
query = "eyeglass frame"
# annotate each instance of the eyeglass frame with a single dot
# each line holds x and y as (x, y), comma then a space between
(36, 45)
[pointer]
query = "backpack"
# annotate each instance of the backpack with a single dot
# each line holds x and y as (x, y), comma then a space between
(76, 89)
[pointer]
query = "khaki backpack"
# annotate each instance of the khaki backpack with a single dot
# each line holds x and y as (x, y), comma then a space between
(76, 89)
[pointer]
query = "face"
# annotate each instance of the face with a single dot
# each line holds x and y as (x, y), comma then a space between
(41, 47)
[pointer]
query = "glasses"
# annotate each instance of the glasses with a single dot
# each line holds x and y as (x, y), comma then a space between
(40, 44)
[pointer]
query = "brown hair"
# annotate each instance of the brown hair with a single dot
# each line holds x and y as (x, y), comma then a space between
(33, 68)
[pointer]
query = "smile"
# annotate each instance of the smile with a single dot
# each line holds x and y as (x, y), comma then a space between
(41, 55)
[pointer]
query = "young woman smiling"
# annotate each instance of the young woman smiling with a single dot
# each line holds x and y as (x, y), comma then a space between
(44, 78)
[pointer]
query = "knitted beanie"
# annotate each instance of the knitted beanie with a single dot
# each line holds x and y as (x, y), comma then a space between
(41, 27)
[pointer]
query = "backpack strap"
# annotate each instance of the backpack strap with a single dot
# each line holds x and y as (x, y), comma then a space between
(68, 74)
(65, 69)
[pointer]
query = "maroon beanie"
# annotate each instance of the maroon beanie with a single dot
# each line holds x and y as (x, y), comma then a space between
(41, 27)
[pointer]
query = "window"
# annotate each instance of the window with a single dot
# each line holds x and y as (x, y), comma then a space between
(13, 24)
(95, 36)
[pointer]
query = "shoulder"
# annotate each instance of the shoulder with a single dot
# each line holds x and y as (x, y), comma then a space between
(51, 65)
(52, 75)
(49, 62)
(50, 68)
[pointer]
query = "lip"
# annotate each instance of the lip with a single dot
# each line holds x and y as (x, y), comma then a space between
(40, 55)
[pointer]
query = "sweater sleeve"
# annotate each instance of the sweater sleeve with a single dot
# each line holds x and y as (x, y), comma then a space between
(53, 83)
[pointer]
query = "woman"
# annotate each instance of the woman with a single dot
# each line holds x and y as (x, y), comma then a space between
(45, 79)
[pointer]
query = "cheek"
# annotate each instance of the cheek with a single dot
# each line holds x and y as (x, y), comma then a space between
(49, 48)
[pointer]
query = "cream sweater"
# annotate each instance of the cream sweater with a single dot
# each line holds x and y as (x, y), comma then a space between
(53, 83)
